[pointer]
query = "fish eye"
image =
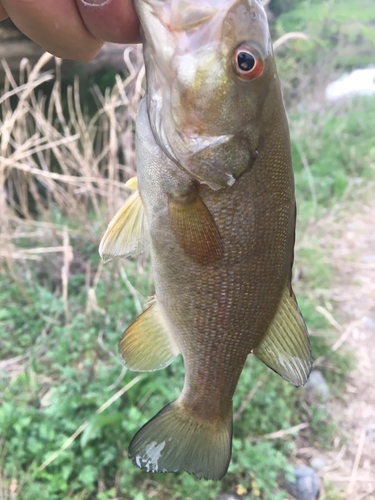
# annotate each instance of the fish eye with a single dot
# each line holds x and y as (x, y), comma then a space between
(246, 63)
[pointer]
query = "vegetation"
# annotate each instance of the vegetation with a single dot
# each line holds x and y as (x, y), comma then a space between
(340, 38)
(68, 408)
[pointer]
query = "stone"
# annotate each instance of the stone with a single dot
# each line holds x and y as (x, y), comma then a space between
(368, 323)
(318, 463)
(368, 259)
(306, 485)
(317, 384)
(228, 496)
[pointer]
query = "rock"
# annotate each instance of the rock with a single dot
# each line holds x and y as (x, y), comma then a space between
(317, 384)
(368, 323)
(358, 82)
(368, 259)
(370, 433)
(318, 463)
(228, 496)
(306, 485)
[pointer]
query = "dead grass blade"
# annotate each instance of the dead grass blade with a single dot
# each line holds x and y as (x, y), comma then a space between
(282, 432)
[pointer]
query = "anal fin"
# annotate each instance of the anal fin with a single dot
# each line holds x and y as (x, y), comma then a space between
(125, 235)
(286, 346)
(194, 228)
(147, 344)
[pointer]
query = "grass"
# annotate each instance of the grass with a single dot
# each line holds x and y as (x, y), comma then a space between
(333, 150)
(63, 390)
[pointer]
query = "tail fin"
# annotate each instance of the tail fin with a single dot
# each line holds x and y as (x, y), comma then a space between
(175, 441)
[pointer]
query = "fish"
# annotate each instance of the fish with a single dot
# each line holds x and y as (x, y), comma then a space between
(214, 200)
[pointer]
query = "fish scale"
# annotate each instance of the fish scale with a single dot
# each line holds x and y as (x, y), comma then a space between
(215, 200)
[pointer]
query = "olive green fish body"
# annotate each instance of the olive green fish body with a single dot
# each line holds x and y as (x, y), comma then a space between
(215, 200)
(220, 311)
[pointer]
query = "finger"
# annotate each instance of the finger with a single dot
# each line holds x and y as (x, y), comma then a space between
(111, 20)
(56, 25)
(3, 13)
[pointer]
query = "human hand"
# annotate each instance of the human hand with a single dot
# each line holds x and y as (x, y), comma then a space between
(74, 29)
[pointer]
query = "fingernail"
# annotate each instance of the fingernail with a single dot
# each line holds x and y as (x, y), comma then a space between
(95, 3)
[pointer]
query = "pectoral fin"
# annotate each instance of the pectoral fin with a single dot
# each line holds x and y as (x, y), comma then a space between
(286, 346)
(147, 344)
(194, 228)
(125, 235)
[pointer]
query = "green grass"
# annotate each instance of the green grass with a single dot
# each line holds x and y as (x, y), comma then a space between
(333, 149)
(68, 375)
(340, 38)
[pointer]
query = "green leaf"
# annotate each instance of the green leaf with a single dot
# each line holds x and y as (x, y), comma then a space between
(98, 422)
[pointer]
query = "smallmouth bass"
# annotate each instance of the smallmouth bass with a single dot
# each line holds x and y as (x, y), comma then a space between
(215, 200)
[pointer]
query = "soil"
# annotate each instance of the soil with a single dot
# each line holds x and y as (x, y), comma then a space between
(349, 472)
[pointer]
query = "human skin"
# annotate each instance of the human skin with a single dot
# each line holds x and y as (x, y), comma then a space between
(73, 29)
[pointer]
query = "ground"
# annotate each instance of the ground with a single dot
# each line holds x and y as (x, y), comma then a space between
(351, 238)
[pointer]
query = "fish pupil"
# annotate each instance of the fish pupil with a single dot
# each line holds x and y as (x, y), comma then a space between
(246, 61)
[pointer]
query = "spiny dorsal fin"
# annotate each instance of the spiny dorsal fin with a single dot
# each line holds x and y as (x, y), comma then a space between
(194, 228)
(147, 344)
(125, 235)
(286, 346)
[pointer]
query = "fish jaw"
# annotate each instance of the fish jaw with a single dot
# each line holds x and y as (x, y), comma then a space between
(199, 111)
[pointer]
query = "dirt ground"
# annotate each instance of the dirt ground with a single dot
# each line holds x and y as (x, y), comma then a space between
(351, 465)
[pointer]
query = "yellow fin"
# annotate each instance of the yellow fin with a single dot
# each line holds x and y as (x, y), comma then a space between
(147, 344)
(194, 228)
(125, 234)
(174, 440)
(132, 183)
(286, 346)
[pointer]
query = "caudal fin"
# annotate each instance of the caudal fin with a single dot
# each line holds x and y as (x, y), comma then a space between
(175, 441)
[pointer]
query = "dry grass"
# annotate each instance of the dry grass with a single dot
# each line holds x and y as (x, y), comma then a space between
(54, 159)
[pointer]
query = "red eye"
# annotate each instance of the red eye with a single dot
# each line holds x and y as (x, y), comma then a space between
(246, 63)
